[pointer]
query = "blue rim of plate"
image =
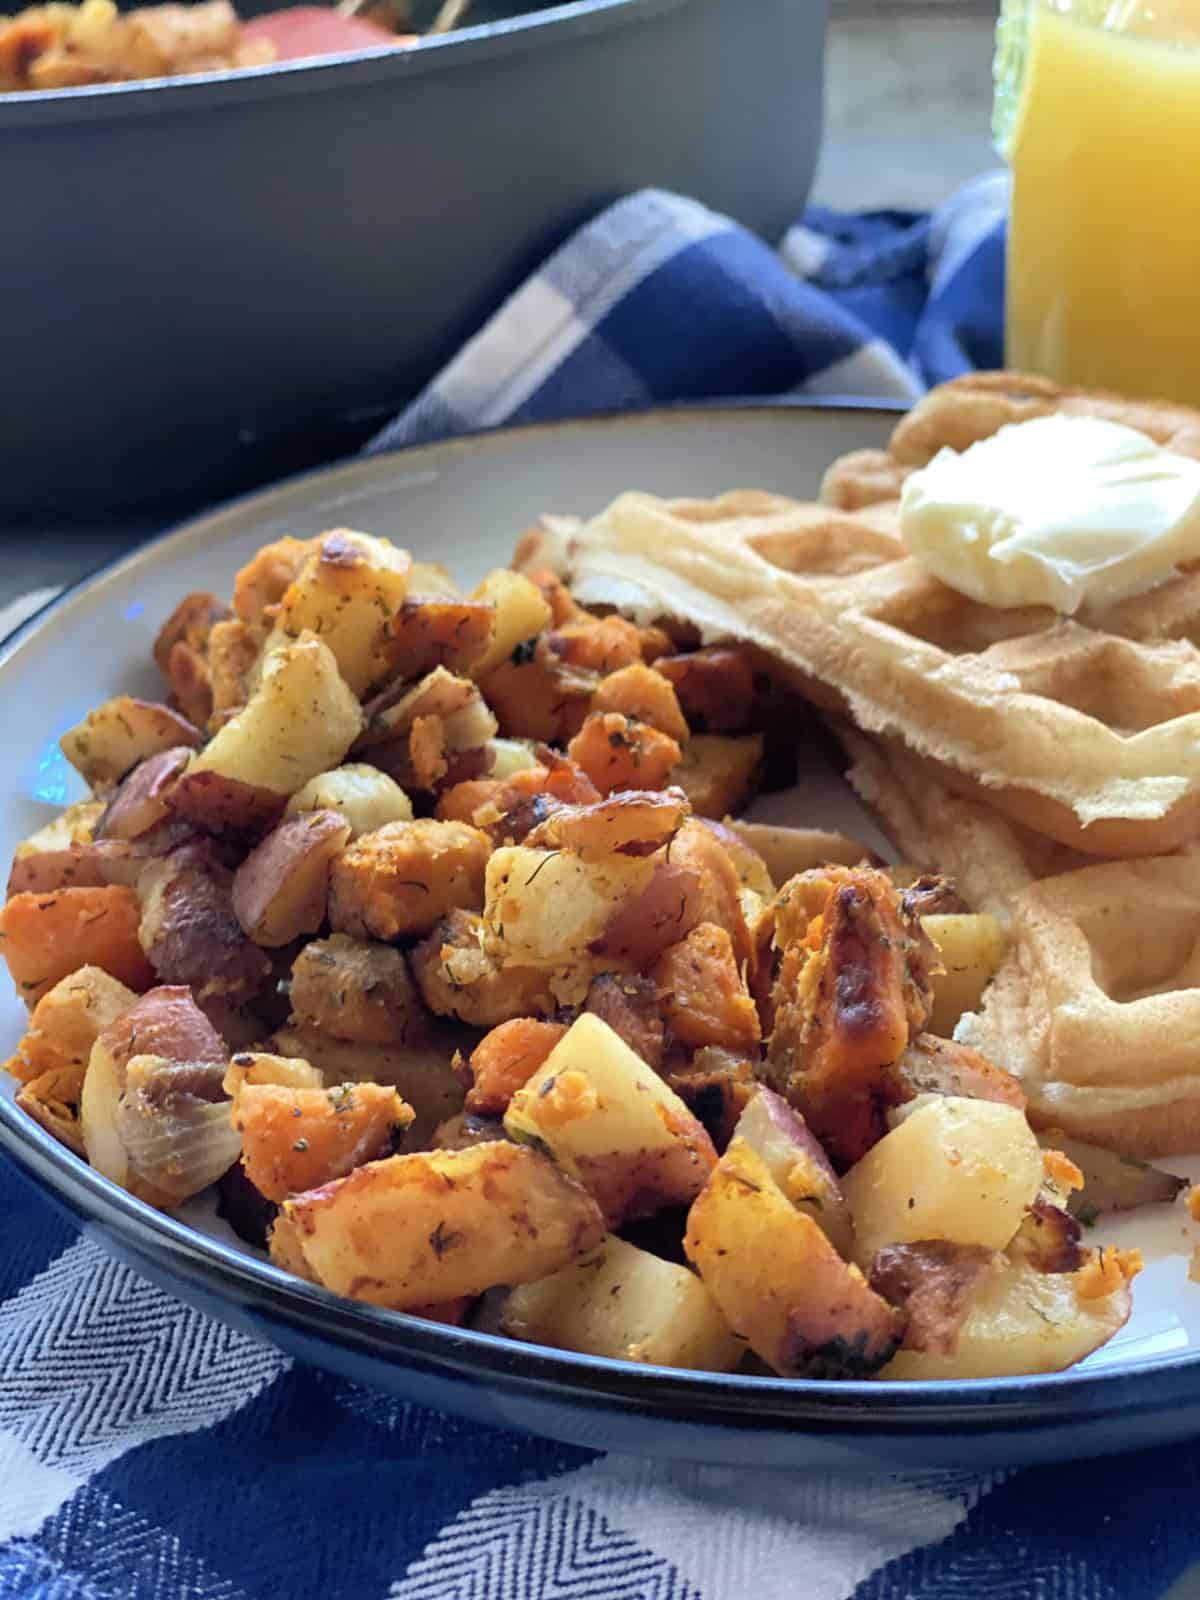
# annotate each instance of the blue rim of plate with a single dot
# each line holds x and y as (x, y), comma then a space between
(744, 1402)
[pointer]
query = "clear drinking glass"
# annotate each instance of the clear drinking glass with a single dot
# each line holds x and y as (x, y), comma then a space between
(1098, 111)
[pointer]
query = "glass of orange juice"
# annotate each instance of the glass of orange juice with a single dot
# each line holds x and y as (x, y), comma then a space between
(1098, 111)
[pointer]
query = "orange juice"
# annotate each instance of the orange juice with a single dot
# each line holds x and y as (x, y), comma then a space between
(1104, 237)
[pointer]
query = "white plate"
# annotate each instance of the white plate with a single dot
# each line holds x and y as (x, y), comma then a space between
(464, 503)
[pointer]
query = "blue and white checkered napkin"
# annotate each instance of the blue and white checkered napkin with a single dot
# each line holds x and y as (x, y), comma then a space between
(148, 1453)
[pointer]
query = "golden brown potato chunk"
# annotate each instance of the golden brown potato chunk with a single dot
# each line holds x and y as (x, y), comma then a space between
(404, 878)
(638, 691)
(280, 890)
(355, 990)
(717, 774)
(458, 978)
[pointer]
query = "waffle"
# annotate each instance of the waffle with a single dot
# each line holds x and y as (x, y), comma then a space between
(1096, 1007)
(989, 859)
(1087, 732)
(971, 408)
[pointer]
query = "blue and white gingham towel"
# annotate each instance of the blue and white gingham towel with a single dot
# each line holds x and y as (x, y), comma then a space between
(148, 1453)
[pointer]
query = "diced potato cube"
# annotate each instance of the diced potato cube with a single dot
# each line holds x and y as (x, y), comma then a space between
(611, 1120)
(367, 798)
(543, 908)
(300, 721)
(628, 1305)
(347, 593)
(112, 739)
(954, 1169)
(404, 878)
(718, 774)
(521, 612)
(971, 948)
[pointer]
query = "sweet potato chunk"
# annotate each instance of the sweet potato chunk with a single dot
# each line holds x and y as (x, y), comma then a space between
(404, 878)
(280, 890)
(637, 691)
(296, 1139)
(505, 1059)
(715, 688)
(595, 644)
(619, 752)
(434, 631)
(535, 696)
(46, 937)
(428, 1227)
(233, 649)
(458, 978)
(702, 992)
(355, 990)
(850, 995)
(65, 1025)
(508, 808)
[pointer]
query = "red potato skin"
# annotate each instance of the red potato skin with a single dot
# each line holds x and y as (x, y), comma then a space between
(215, 803)
(142, 800)
(305, 844)
(164, 1022)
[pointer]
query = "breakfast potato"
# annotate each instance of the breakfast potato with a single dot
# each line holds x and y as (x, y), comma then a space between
(45, 937)
(641, 694)
(403, 878)
(716, 1086)
(281, 888)
(294, 1139)
(546, 908)
(972, 948)
(422, 1072)
(367, 798)
(611, 1121)
(190, 624)
(1020, 1321)
(64, 1026)
(356, 990)
(618, 752)
(778, 1280)
(435, 631)
(80, 866)
(458, 978)
(704, 999)
(519, 613)
(142, 800)
(299, 721)
(257, 1067)
(797, 1162)
(265, 578)
(715, 688)
(114, 738)
(943, 1066)
(466, 720)
(719, 774)
(635, 823)
(428, 1227)
(74, 826)
(954, 1169)
(1110, 1182)
(629, 1005)
(233, 651)
(189, 930)
(346, 593)
(626, 1305)
(505, 1059)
